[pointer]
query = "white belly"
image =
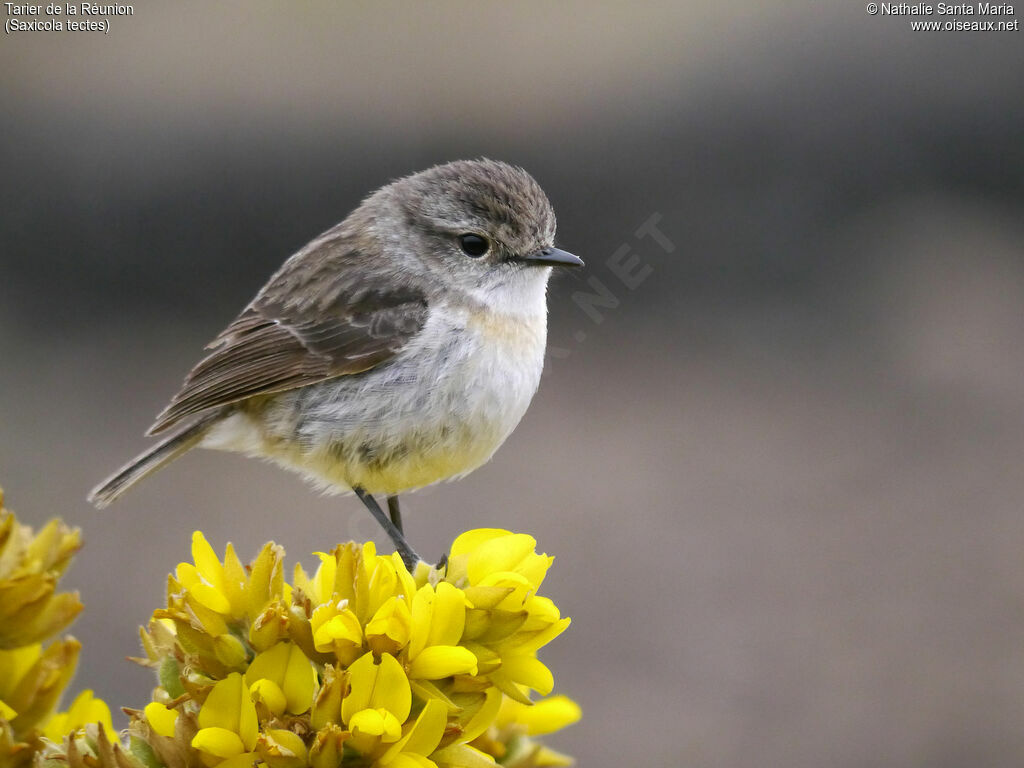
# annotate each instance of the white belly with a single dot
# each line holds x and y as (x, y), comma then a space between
(438, 410)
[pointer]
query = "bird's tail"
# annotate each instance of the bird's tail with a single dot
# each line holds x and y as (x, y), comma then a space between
(157, 457)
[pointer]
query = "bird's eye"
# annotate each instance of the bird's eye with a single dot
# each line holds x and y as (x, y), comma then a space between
(474, 246)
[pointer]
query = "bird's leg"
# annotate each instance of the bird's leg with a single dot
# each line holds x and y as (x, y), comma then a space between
(396, 513)
(409, 557)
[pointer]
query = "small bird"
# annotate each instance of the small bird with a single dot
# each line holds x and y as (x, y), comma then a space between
(399, 348)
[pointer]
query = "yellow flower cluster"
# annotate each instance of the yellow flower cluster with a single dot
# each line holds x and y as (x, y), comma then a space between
(360, 663)
(33, 677)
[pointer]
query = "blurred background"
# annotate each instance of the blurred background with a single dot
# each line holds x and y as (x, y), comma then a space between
(780, 468)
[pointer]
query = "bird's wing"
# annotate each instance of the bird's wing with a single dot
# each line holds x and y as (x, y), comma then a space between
(301, 330)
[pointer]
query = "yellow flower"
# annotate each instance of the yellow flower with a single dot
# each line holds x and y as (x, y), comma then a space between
(271, 625)
(487, 556)
(337, 630)
(218, 594)
(438, 617)
(281, 748)
(326, 711)
(283, 678)
(388, 630)
(31, 682)
(161, 718)
(380, 579)
(226, 581)
(327, 748)
(438, 621)
(357, 601)
(30, 565)
(14, 665)
(509, 736)
(545, 716)
(334, 577)
(84, 710)
(415, 747)
(360, 663)
(221, 613)
(369, 726)
(227, 722)
(379, 702)
(377, 686)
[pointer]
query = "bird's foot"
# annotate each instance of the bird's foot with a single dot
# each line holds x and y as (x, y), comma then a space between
(409, 557)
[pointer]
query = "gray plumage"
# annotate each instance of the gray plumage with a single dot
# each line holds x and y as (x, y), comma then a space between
(382, 355)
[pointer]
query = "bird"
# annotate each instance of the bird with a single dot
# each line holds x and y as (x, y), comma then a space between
(398, 349)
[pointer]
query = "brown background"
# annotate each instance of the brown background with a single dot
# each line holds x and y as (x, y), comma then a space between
(782, 478)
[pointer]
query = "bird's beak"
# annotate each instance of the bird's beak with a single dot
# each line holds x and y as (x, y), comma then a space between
(552, 257)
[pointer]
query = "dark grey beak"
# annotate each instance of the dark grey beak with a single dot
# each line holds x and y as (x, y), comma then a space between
(552, 257)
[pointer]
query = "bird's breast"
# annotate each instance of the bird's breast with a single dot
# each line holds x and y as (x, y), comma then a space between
(439, 409)
(486, 370)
